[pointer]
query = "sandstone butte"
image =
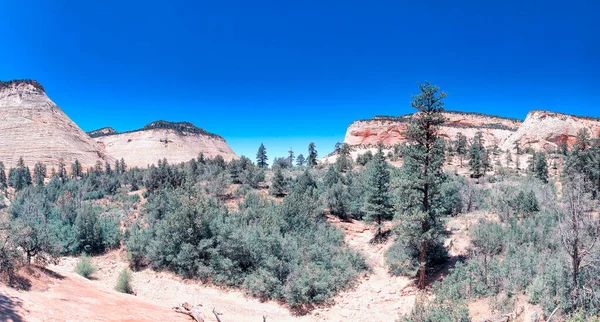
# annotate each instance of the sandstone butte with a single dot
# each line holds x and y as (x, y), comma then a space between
(177, 142)
(541, 130)
(33, 127)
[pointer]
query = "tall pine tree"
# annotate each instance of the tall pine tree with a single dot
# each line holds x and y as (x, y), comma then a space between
(261, 157)
(423, 170)
(312, 155)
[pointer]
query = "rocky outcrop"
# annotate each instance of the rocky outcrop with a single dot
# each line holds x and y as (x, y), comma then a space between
(177, 142)
(33, 127)
(543, 130)
(389, 130)
(101, 132)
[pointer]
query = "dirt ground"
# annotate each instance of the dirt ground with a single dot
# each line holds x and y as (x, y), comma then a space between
(58, 294)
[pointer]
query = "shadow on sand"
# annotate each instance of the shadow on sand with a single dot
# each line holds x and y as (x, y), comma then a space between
(9, 307)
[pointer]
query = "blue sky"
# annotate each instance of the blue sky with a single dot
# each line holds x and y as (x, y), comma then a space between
(290, 72)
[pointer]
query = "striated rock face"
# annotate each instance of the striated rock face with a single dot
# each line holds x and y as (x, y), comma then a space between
(544, 130)
(33, 127)
(388, 130)
(177, 142)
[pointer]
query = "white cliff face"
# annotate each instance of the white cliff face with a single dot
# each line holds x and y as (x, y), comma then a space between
(145, 147)
(33, 127)
(543, 130)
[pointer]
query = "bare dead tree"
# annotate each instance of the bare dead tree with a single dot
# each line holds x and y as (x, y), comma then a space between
(579, 230)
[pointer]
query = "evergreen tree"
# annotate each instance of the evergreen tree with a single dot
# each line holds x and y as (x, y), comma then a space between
(517, 148)
(123, 166)
(291, 157)
(98, 168)
(19, 177)
(377, 206)
(278, 188)
(3, 183)
(261, 157)
(201, 159)
(531, 162)
(541, 167)
(461, 147)
(477, 154)
(344, 159)
(312, 155)
(107, 169)
(509, 158)
(117, 167)
(423, 170)
(300, 160)
(76, 170)
(39, 173)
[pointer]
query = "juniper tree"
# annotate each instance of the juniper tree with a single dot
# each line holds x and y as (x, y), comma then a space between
(261, 157)
(377, 206)
(300, 160)
(423, 170)
(312, 155)
(541, 167)
(461, 147)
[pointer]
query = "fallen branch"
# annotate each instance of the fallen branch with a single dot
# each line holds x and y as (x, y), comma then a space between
(217, 315)
(193, 312)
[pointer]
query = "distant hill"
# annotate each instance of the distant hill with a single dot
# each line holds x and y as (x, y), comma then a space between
(175, 141)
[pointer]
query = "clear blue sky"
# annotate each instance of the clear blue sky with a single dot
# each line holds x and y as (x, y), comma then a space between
(289, 72)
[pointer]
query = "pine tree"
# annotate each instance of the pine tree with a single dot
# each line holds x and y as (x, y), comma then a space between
(377, 206)
(107, 169)
(291, 157)
(123, 166)
(277, 188)
(76, 169)
(201, 159)
(39, 173)
(117, 167)
(531, 162)
(312, 155)
(477, 154)
(300, 160)
(541, 167)
(461, 147)
(261, 157)
(344, 159)
(423, 168)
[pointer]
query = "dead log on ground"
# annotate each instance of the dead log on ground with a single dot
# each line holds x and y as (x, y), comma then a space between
(193, 312)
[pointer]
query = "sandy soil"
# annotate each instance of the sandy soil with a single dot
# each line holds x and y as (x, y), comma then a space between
(58, 294)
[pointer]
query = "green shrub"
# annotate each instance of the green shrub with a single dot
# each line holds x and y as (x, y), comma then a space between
(124, 282)
(84, 266)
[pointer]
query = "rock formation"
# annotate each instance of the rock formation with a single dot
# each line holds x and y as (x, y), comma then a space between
(543, 130)
(33, 127)
(388, 130)
(177, 142)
